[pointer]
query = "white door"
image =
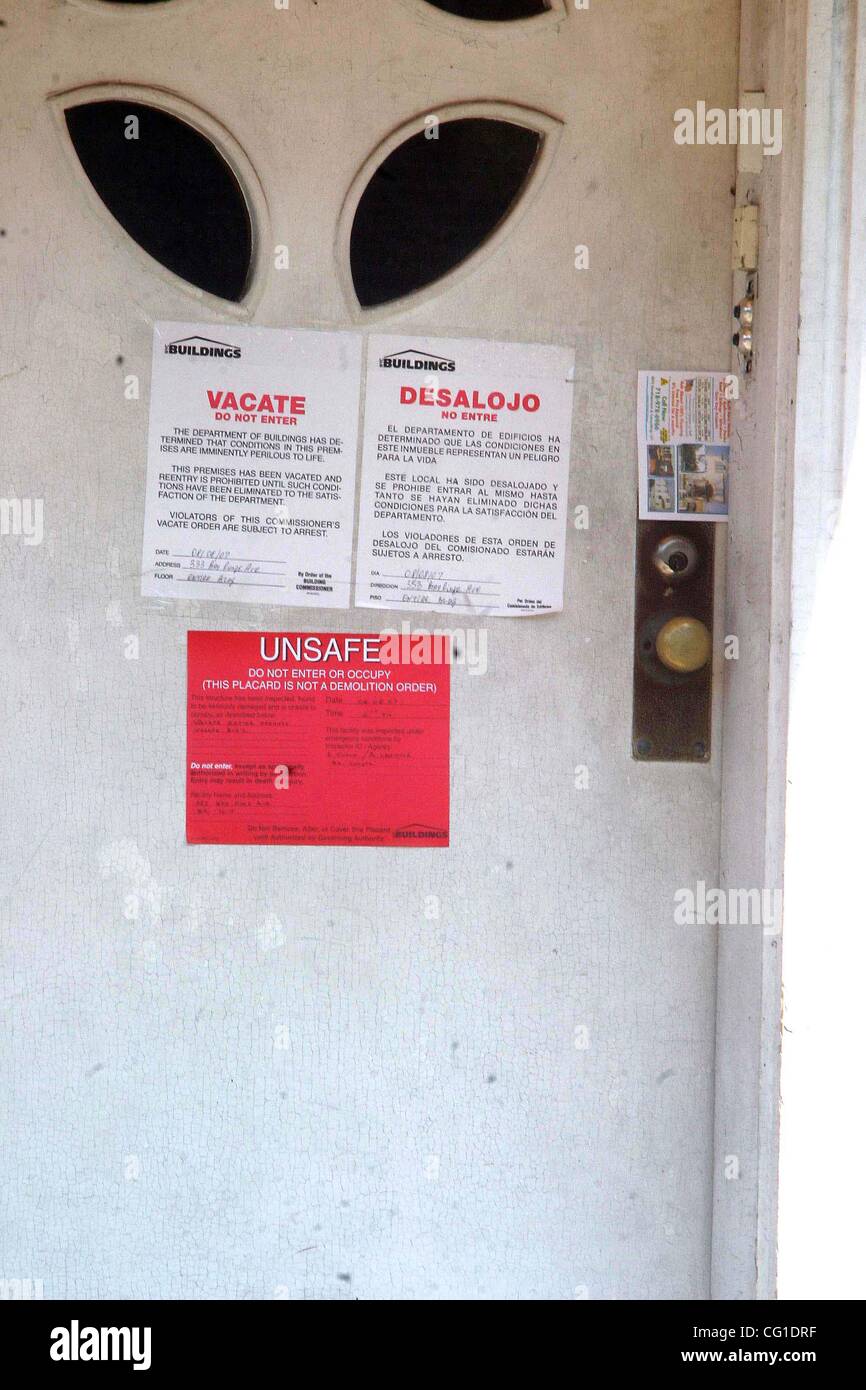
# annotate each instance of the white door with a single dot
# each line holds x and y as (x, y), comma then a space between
(477, 1072)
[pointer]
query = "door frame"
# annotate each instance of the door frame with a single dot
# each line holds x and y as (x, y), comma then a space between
(773, 56)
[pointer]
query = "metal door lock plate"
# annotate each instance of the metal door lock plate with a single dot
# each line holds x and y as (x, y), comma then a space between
(672, 704)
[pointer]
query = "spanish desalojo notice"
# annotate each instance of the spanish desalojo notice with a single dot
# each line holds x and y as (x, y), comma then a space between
(251, 465)
(464, 483)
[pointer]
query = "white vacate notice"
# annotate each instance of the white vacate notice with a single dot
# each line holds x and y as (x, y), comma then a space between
(464, 484)
(251, 465)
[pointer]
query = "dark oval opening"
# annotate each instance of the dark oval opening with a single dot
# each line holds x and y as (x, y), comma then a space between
(491, 9)
(434, 201)
(169, 188)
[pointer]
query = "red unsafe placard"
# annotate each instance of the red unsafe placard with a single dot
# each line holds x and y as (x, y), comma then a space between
(317, 739)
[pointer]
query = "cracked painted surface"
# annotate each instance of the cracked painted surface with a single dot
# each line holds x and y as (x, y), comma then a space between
(245, 1072)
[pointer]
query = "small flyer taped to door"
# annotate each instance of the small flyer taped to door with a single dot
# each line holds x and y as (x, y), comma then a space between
(251, 465)
(683, 440)
(464, 481)
(318, 738)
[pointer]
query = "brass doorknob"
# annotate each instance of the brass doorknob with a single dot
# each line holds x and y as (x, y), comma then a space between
(684, 644)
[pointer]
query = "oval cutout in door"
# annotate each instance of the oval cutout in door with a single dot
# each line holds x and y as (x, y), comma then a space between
(169, 188)
(434, 200)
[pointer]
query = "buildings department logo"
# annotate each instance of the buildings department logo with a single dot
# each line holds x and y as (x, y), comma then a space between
(412, 360)
(201, 347)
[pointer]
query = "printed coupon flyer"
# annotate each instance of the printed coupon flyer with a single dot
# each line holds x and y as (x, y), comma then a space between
(683, 440)
(464, 481)
(251, 465)
(305, 738)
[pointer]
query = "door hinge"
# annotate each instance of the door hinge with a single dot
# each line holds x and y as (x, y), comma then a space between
(745, 247)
